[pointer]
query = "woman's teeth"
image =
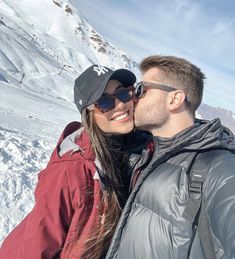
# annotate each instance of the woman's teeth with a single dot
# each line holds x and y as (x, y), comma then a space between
(124, 115)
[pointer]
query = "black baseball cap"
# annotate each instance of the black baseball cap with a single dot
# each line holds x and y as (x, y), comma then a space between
(91, 84)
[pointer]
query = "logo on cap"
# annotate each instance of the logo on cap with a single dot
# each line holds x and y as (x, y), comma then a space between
(100, 70)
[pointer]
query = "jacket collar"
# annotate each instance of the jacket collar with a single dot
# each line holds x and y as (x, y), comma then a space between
(203, 135)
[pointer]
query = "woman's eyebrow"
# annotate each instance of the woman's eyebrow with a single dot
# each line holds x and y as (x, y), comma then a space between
(119, 87)
(116, 89)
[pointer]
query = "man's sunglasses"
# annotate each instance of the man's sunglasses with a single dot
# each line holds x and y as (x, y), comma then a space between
(107, 101)
(142, 87)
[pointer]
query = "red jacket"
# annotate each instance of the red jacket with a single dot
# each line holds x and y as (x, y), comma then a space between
(67, 196)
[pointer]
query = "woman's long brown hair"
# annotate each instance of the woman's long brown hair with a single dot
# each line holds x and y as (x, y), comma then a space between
(110, 157)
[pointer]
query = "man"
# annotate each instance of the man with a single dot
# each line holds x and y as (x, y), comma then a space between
(163, 217)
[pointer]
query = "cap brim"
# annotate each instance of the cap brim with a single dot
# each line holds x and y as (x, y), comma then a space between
(126, 77)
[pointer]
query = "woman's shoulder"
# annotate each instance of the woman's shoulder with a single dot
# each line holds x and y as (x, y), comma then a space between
(74, 174)
(73, 155)
(74, 144)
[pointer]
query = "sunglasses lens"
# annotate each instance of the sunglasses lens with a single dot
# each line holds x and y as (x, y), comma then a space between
(139, 90)
(124, 95)
(105, 103)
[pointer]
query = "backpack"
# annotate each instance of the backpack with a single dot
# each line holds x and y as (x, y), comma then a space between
(195, 207)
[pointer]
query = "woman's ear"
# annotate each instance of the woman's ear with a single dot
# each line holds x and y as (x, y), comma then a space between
(176, 99)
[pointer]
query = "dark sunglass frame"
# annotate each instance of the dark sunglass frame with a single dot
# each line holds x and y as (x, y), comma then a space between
(107, 101)
(142, 87)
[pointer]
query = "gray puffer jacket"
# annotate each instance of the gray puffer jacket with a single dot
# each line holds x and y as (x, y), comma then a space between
(153, 226)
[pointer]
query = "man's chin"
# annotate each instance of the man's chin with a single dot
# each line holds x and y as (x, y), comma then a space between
(139, 126)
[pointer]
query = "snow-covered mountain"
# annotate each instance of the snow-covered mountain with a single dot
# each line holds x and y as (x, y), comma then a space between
(227, 117)
(49, 41)
(44, 46)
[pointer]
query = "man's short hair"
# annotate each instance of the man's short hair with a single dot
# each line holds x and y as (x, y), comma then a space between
(181, 74)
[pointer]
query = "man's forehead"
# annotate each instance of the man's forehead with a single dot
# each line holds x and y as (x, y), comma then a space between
(153, 74)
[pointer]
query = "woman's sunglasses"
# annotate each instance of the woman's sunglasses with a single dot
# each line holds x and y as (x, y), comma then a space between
(107, 101)
(142, 87)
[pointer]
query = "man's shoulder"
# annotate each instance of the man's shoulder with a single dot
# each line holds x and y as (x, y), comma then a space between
(219, 164)
(219, 156)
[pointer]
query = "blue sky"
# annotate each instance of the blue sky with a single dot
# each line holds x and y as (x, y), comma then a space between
(201, 31)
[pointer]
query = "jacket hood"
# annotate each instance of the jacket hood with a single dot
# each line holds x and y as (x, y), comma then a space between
(72, 141)
(203, 135)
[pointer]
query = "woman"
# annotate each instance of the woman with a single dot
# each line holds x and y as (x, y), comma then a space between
(80, 194)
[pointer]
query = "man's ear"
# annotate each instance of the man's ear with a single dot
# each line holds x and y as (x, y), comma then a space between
(176, 99)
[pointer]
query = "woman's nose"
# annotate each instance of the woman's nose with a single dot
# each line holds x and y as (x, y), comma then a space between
(118, 103)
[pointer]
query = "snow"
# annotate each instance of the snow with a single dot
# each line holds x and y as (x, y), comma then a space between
(43, 48)
(21, 157)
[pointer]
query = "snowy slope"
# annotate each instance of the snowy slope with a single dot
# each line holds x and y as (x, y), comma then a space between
(44, 46)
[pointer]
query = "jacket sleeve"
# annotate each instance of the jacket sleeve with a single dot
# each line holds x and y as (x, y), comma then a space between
(42, 233)
(220, 199)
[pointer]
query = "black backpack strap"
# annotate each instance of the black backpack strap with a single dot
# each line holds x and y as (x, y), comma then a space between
(205, 233)
(195, 209)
